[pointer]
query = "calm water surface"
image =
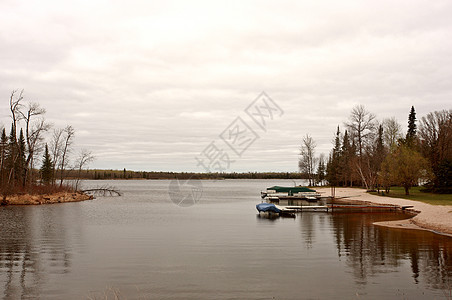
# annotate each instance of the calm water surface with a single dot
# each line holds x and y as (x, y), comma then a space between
(142, 246)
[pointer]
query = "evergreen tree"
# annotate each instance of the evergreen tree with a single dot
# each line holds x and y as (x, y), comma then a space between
(3, 154)
(380, 151)
(346, 156)
(333, 166)
(345, 142)
(352, 163)
(378, 156)
(380, 147)
(11, 156)
(443, 177)
(337, 142)
(411, 133)
(321, 169)
(20, 162)
(47, 167)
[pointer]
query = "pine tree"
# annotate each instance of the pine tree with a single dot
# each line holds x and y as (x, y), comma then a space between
(333, 166)
(321, 170)
(378, 155)
(411, 133)
(11, 155)
(345, 142)
(47, 167)
(337, 142)
(346, 156)
(20, 162)
(3, 153)
(380, 147)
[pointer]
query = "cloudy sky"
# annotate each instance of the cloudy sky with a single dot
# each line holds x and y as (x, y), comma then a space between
(148, 85)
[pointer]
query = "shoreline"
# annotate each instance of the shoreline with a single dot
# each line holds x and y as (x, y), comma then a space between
(407, 224)
(433, 218)
(60, 197)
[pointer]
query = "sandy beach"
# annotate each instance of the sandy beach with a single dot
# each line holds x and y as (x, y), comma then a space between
(435, 218)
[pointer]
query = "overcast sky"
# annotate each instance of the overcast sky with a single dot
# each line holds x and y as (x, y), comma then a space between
(148, 85)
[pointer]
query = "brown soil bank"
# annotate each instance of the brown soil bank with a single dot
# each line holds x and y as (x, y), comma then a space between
(436, 218)
(60, 197)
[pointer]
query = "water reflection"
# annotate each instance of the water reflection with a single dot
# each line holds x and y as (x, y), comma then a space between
(273, 216)
(371, 250)
(34, 245)
(148, 248)
(263, 217)
(307, 224)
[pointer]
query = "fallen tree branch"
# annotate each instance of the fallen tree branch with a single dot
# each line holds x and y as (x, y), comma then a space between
(102, 192)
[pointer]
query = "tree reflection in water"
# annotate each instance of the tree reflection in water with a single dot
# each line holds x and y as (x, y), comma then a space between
(39, 244)
(372, 250)
(34, 246)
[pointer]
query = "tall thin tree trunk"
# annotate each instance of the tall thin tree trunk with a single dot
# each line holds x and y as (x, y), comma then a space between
(362, 177)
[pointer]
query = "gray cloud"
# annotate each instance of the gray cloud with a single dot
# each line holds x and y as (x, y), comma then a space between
(149, 85)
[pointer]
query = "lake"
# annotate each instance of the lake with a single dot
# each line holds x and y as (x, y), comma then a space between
(143, 246)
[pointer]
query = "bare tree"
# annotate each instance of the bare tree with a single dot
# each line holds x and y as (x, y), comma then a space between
(361, 126)
(33, 133)
(307, 159)
(68, 137)
(15, 106)
(435, 134)
(84, 158)
(37, 140)
(392, 132)
(56, 148)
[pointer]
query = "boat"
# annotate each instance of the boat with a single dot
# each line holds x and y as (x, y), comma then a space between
(267, 207)
(274, 210)
(276, 193)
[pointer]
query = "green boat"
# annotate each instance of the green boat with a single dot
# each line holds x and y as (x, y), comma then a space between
(294, 192)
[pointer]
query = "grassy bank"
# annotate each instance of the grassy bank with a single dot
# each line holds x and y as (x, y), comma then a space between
(417, 195)
(61, 197)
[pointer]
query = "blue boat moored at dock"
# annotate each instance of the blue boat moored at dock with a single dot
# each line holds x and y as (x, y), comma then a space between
(267, 207)
(271, 210)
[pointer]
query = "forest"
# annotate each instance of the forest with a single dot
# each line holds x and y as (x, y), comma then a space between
(377, 154)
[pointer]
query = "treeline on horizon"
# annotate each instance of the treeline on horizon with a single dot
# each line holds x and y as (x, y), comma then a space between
(377, 154)
(37, 158)
(96, 174)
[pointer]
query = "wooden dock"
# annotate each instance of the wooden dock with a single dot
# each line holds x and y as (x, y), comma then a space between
(296, 208)
(339, 207)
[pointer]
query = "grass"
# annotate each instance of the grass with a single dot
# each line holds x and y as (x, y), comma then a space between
(417, 195)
